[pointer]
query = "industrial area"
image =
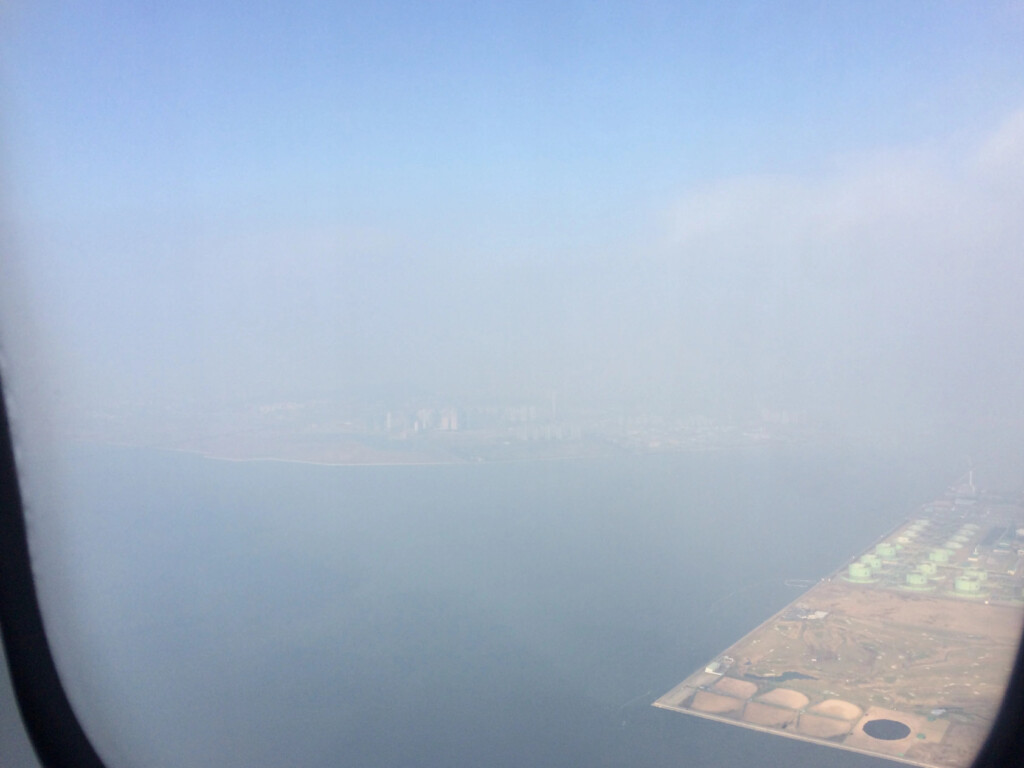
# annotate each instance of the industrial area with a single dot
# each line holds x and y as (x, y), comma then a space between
(902, 653)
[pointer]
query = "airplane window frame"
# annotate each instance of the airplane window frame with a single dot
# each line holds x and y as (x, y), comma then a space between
(46, 714)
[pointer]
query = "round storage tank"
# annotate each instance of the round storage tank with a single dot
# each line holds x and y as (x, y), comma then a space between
(965, 586)
(885, 550)
(939, 555)
(974, 573)
(860, 572)
(952, 545)
(871, 561)
(917, 580)
(928, 569)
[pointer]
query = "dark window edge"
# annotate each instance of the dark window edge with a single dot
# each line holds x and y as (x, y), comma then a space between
(50, 722)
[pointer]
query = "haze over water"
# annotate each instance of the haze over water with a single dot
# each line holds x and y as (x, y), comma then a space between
(258, 614)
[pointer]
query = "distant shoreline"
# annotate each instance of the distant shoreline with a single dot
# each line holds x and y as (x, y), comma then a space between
(429, 463)
(310, 462)
(453, 463)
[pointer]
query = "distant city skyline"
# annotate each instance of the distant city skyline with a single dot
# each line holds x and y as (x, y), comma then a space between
(664, 207)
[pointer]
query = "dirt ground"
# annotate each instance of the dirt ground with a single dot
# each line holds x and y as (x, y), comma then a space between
(714, 704)
(922, 732)
(844, 654)
(997, 623)
(763, 714)
(741, 689)
(822, 727)
(784, 697)
(844, 710)
(876, 651)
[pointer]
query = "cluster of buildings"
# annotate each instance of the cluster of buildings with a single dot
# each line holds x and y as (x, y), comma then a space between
(400, 423)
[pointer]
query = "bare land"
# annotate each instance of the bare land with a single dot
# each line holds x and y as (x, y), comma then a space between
(922, 665)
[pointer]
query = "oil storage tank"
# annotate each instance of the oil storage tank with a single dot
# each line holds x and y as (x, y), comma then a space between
(966, 586)
(917, 581)
(859, 572)
(873, 562)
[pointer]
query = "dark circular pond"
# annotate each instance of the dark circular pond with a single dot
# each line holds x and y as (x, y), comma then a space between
(890, 730)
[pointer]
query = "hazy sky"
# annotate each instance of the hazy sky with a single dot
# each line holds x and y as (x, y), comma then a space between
(797, 205)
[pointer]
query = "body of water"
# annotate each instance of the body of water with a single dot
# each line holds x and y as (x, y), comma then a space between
(223, 614)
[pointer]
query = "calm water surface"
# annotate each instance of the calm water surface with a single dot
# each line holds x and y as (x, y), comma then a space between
(211, 613)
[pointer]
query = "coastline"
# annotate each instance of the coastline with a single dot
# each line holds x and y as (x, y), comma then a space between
(610, 452)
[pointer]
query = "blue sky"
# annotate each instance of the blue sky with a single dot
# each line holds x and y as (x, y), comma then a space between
(304, 107)
(513, 196)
